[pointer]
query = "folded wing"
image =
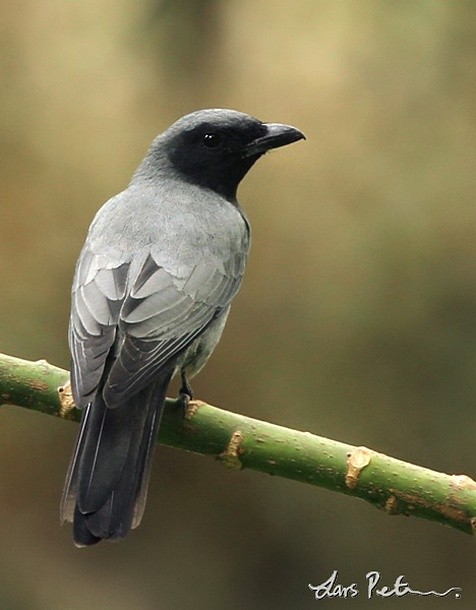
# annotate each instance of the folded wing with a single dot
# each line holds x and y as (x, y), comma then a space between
(129, 320)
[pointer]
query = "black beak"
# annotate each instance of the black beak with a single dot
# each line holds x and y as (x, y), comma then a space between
(276, 135)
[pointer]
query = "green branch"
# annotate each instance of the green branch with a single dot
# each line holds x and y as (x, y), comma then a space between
(242, 442)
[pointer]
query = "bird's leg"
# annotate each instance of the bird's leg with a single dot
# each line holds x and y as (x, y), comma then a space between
(185, 389)
(185, 393)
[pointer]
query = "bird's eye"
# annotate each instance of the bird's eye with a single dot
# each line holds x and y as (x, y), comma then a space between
(212, 139)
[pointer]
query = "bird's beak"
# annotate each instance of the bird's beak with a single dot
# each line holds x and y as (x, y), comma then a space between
(276, 135)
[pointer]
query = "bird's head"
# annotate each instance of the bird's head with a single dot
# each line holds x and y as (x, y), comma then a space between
(215, 148)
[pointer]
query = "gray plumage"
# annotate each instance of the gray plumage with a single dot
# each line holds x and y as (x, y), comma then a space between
(152, 290)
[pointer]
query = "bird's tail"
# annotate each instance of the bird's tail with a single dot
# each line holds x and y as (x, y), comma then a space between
(106, 485)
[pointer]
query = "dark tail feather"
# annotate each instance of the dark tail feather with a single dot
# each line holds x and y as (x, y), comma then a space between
(106, 485)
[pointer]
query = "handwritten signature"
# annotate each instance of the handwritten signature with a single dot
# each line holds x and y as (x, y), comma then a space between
(331, 588)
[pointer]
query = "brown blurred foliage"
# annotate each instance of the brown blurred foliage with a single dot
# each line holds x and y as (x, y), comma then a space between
(357, 319)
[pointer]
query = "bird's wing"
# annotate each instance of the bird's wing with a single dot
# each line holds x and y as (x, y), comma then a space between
(99, 289)
(141, 315)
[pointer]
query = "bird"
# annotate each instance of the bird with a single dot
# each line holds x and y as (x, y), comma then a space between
(151, 293)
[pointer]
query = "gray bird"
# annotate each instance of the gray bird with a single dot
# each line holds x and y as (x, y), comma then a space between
(152, 290)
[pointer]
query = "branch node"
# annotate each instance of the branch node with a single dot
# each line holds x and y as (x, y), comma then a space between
(462, 481)
(357, 460)
(391, 505)
(473, 525)
(65, 396)
(230, 458)
(192, 408)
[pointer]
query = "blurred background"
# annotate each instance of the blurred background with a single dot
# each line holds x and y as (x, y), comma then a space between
(356, 320)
